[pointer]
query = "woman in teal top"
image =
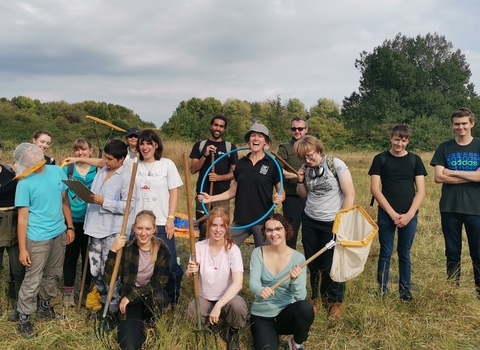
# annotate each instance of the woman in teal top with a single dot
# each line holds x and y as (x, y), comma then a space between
(85, 174)
(283, 310)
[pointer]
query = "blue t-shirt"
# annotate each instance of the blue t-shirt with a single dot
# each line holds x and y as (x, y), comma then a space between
(42, 194)
(77, 205)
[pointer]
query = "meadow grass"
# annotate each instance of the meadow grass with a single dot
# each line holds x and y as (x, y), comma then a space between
(441, 316)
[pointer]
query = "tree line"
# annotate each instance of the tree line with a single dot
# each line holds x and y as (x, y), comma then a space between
(418, 81)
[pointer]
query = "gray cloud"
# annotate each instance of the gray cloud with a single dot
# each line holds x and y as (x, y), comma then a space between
(149, 55)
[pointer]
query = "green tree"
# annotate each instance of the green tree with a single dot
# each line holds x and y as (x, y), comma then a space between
(406, 78)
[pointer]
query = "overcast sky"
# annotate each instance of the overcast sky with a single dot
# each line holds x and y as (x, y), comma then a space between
(149, 55)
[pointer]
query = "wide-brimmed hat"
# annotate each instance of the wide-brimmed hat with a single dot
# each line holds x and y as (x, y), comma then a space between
(258, 128)
(133, 131)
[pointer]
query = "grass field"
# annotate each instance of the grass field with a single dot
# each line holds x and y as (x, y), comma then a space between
(441, 316)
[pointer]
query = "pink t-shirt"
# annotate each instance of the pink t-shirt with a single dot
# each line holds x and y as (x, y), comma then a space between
(145, 267)
(216, 271)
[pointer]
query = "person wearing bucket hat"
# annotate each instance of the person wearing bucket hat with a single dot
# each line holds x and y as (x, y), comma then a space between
(255, 177)
(132, 139)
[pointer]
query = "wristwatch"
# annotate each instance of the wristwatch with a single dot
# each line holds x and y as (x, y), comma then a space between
(72, 228)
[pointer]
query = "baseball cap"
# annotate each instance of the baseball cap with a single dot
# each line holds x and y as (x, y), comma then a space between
(133, 131)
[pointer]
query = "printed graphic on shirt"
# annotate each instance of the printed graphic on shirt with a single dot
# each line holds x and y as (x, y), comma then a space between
(264, 169)
(463, 161)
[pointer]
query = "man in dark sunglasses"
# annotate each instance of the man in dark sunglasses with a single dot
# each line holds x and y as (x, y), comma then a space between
(293, 205)
(132, 139)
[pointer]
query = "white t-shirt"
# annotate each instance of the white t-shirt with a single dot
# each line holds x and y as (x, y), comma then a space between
(216, 271)
(154, 180)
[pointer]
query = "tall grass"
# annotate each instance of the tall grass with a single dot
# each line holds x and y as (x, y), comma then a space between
(441, 316)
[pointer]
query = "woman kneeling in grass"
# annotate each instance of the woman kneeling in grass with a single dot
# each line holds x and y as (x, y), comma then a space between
(144, 269)
(219, 263)
(283, 310)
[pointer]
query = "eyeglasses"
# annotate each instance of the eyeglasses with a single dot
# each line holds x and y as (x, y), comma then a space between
(132, 136)
(310, 156)
(299, 129)
(277, 229)
(315, 172)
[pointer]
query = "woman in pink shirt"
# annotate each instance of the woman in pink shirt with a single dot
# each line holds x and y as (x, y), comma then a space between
(219, 263)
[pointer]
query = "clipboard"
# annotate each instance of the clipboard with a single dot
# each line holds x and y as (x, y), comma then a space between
(80, 189)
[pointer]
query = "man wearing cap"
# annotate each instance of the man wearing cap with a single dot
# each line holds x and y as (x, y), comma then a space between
(132, 138)
(293, 205)
(201, 161)
(256, 176)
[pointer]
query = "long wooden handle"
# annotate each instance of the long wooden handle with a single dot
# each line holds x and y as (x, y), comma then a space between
(122, 234)
(284, 163)
(313, 257)
(84, 278)
(193, 255)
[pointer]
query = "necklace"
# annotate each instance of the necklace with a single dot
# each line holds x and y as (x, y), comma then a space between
(149, 170)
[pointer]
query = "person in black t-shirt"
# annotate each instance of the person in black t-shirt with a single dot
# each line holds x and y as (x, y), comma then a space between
(256, 176)
(201, 161)
(402, 178)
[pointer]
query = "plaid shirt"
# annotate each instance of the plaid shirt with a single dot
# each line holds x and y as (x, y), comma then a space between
(128, 270)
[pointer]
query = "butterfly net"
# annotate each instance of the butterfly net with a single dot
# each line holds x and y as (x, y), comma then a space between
(354, 230)
(27, 156)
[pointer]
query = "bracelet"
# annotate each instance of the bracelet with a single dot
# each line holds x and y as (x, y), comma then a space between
(71, 228)
(300, 182)
(205, 156)
(171, 217)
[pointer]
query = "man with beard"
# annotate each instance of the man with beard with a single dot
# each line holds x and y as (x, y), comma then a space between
(293, 205)
(202, 159)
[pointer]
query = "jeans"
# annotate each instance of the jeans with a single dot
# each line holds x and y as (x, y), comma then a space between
(386, 236)
(315, 235)
(452, 232)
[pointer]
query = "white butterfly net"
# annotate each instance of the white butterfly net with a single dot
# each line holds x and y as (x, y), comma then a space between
(26, 156)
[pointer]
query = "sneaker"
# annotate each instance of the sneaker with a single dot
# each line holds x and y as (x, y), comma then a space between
(291, 345)
(26, 330)
(14, 316)
(68, 299)
(49, 315)
(407, 296)
(233, 340)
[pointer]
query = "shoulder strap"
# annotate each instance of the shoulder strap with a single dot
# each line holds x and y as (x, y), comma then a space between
(9, 168)
(331, 166)
(201, 147)
(70, 171)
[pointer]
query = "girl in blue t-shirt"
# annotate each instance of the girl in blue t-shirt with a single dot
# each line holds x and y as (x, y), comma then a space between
(85, 174)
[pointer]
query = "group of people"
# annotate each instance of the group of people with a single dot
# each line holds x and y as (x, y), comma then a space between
(316, 187)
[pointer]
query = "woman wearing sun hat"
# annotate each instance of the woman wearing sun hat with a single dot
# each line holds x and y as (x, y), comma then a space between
(256, 176)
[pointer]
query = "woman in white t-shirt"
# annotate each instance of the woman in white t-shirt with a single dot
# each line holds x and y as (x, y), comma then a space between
(219, 263)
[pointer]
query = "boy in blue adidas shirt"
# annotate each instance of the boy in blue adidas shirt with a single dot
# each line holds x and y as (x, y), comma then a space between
(43, 208)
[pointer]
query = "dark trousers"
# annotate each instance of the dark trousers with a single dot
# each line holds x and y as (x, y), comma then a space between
(73, 250)
(295, 319)
(452, 232)
(293, 207)
(130, 330)
(315, 235)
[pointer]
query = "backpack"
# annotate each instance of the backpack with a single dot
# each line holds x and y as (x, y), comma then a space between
(228, 146)
(330, 165)
(383, 160)
(9, 168)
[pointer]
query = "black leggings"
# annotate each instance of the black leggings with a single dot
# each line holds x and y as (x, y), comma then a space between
(73, 250)
(296, 318)
(130, 330)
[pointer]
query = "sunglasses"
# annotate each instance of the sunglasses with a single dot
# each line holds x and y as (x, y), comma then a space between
(299, 129)
(313, 173)
(132, 136)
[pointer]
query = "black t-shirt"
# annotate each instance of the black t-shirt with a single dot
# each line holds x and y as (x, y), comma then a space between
(222, 167)
(397, 176)
(7, 193)
(255, 186)
(459, 198)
